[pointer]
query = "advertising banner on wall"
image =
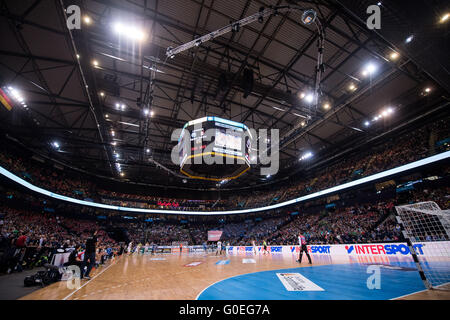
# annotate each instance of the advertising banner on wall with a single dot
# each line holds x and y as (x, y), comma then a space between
(214, 235)
(437, 248)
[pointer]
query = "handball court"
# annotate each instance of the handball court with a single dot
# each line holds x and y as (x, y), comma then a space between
(190, 276)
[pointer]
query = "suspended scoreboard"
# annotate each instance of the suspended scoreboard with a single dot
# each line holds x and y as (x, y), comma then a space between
(215, 149)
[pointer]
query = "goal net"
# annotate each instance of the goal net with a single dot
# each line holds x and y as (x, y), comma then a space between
(426, 223)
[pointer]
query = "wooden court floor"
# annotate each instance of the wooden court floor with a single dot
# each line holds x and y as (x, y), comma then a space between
(177, 277)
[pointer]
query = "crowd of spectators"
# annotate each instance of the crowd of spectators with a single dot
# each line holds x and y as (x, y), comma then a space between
(399, 150)
(29, 239)
(46, 232)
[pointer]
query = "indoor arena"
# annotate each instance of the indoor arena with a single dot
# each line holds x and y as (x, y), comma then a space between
(218, 150)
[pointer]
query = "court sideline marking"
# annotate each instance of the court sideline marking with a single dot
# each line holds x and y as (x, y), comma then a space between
(424, 290)
(112, 264)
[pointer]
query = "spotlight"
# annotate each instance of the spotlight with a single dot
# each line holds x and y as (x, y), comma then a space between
(114, 143)
(131, 32)
(390, 110)
(146, 112)
(306, 155)
(309, 97)
(394, 55)
(444, 18)
(301, 95)
(113, 133)
(352, 87)
(379, 3)
(367, 123)
(147, 150)
(152, 113)
(102, 94)
(95, 63)
(87, 20)
(78, 56)
(409, 39)
(55, 144)
(106, 116)
(326, 106)
(427, 89)
(369, 69)
(309, 16)
(123, 107)
(268, 176)
(122, 174)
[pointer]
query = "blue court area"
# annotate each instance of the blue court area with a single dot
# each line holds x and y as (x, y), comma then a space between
(338, 281)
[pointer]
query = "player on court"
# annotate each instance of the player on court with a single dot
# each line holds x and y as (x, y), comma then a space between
(265, 247)
(219, 247)
(254, 246)
(302, 243)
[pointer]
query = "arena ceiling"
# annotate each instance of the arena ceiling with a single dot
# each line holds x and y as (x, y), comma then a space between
(87, 89)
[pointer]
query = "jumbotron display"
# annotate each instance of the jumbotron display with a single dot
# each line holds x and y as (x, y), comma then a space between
(215, 149)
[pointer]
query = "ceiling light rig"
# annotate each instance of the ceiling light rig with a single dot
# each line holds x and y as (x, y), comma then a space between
(444, 18)
(308, 17)
(385, 113)
(129, 31)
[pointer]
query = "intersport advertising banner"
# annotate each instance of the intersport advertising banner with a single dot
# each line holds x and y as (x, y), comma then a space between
(439, 248)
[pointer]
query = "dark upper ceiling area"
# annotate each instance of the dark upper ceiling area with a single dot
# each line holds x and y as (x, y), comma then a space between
(87, 89)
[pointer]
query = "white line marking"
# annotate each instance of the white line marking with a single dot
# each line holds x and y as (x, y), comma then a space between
(409, 294)
(89, 281)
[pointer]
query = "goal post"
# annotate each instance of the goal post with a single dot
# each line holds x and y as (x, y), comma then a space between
(426, 223)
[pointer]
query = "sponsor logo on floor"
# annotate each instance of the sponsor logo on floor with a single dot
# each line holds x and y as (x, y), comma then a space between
(193, 264)
(157, 259)
(297, 282)
(248, 261)
(222, 262)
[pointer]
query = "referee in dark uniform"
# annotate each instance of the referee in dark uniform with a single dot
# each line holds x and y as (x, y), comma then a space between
(302, 243)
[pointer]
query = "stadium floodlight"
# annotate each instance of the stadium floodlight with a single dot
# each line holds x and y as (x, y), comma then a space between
(394, 55)
(16, 94)
(369, 69)
(87, 19)
(130, 31)
(306, 155)
(309, 98)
